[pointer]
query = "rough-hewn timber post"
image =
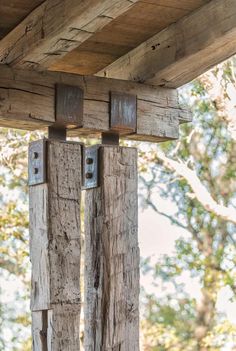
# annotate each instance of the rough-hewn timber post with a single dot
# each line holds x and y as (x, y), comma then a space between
(112, 255)
(55, 249)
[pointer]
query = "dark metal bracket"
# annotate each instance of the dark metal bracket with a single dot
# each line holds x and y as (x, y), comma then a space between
(123, 113)
(56, 133)
(69, 114)
(110, 138)
(123, 120)
(123, 117)
(69, 102)
(69, 106)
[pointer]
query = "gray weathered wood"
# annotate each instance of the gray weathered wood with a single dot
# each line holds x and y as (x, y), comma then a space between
(55, 250)
(184, 50)
(27, 101)
(56, 329)
(112, 255)
(55, 28)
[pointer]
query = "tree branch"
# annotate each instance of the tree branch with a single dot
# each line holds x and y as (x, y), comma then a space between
(200, 191)
(154, 207)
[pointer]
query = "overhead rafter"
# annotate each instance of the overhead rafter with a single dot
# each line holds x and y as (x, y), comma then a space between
(182, 51)
(55, 28)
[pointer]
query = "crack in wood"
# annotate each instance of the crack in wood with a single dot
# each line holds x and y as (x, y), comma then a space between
(44, 331)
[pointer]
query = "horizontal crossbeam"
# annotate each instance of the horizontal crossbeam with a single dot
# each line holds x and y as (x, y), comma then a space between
(27, 101)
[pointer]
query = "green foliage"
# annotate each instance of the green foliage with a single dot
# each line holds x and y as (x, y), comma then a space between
(175, 321)
(14, 241)
(172, 320)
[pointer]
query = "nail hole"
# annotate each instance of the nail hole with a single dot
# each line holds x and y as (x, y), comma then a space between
(36, 155)
(36, 170)
(155, 46)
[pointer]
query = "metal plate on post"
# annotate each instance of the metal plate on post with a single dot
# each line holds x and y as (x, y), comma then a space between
(123, 112)
(69, 106)
(37, 162)
(90, 167)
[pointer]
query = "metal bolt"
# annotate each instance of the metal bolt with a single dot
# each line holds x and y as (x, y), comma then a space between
(89, 175)
(89, 161)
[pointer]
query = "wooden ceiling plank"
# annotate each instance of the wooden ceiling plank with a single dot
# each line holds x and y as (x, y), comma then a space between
(27, 101)
(177, 4)
(182, 51)
(12, 12)
(123, 34)
(55, 28)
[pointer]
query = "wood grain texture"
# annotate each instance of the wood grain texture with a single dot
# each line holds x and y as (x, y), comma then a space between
(112, 255)
(12, 12)
(39, 330)
(184, 50)
(55, 250)
(56, 329)
(124, 33)
(39, 242)
(27, 101)
(55, 28)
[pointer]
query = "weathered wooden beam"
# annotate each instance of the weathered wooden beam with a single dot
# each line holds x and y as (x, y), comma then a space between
(27, 101)
(112, 254)
(55, 250)
(184, 50)
(57, 27)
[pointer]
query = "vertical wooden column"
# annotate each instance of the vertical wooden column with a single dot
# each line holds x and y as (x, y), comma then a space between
(55, 250)
(112, 255)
